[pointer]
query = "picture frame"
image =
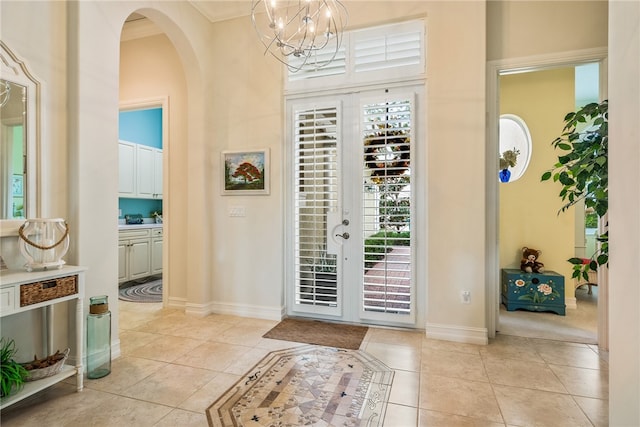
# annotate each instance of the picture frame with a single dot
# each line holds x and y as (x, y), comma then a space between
(245, 172)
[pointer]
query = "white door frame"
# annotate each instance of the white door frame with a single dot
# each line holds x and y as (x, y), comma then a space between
(494, 70)
(419, 270)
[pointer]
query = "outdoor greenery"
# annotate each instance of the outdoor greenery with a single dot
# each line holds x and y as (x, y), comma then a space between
(377, 245)
(591, 220)
(12, 374)
(395, 206)
(582, 170)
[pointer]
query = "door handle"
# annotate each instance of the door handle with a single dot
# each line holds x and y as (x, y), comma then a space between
(344, 235)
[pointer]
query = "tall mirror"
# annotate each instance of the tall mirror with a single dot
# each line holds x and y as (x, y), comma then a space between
(19, 93)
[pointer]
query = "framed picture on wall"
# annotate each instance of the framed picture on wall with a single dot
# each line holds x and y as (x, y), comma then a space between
(245, 172)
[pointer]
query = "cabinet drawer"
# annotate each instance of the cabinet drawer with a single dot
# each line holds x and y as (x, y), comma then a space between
(156, 232)
(7, 300)
(134, 234)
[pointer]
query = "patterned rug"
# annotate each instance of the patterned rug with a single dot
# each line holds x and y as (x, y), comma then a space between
(150, 291)
(309, 385)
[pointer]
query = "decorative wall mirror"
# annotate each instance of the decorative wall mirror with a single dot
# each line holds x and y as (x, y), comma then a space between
(19, 142)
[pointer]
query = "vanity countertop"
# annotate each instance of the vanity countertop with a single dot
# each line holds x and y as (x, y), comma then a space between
(138, 226)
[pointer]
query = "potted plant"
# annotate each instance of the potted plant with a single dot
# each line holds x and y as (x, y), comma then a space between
(583, 172)
(12, 373)
(508, 159)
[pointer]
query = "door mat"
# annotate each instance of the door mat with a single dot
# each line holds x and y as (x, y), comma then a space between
(317, 332)
(308, 385)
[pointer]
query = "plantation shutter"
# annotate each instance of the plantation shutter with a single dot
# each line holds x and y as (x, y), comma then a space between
(316, 195)
(387, 129)
(399, 46)
(337, 66)
(383, 53)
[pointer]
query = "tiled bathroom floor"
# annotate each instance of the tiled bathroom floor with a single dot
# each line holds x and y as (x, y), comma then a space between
(173, 366)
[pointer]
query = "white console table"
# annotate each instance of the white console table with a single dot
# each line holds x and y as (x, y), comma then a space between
(10, 304)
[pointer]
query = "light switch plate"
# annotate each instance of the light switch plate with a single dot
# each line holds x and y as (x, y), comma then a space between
(237, 211)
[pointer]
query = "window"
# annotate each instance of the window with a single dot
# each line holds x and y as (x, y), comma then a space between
(384, 53)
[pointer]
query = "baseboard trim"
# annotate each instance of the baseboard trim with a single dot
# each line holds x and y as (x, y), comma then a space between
(178, 303)
(571, 302)
(461, 334)
(242, 310)
(247, 310)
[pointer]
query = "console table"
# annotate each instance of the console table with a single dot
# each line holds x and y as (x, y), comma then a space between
(14, 285)
(533, 291)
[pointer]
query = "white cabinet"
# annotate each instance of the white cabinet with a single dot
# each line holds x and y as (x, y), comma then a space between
(71, 279)
(134, 254)
(140, 171)
(156, 250)
(127, 168)
(157, 173)
(139, 252)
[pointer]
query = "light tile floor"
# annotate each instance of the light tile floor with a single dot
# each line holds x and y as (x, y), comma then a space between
(173, 366)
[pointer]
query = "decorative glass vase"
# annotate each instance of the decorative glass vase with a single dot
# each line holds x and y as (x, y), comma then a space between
(43, 242)
(504, 175)
(98, 337)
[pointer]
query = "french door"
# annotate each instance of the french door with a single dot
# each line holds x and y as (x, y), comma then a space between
(352, 207)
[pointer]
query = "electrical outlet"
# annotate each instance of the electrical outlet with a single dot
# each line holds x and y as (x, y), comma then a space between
(465, 297)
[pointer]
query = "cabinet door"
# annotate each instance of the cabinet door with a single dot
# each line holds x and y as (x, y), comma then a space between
(157, 173)
(123, 274)
(139, 258)
(126, 169)
(156, 255)
(145, 173)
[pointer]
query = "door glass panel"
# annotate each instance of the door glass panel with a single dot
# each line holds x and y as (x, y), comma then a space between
(387, 207)
(316, 196)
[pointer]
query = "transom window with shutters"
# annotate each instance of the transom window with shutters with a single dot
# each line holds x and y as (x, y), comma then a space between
(353, 180)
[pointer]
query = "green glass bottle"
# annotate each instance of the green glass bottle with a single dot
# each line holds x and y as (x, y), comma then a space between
(98, 337)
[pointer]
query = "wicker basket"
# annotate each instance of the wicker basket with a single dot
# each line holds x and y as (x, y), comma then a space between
(38, 374)
(46, 290)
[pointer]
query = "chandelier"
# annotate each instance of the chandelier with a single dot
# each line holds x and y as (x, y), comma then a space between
(302, 34)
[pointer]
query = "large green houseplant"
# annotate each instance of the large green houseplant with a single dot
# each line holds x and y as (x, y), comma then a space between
(582, 170)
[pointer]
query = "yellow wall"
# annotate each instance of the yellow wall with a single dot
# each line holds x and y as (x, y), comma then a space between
(529, 208)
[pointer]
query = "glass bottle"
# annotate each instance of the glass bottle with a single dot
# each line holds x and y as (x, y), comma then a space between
(98, 337)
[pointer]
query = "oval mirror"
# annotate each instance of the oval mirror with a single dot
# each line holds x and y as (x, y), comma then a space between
(18, 142)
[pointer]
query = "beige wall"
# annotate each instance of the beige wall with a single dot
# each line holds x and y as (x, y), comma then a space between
(529, 208)
(528, 28)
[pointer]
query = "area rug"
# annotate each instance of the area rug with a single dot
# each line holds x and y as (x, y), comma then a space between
(317, 332)
(143, 292)
(308, 385)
